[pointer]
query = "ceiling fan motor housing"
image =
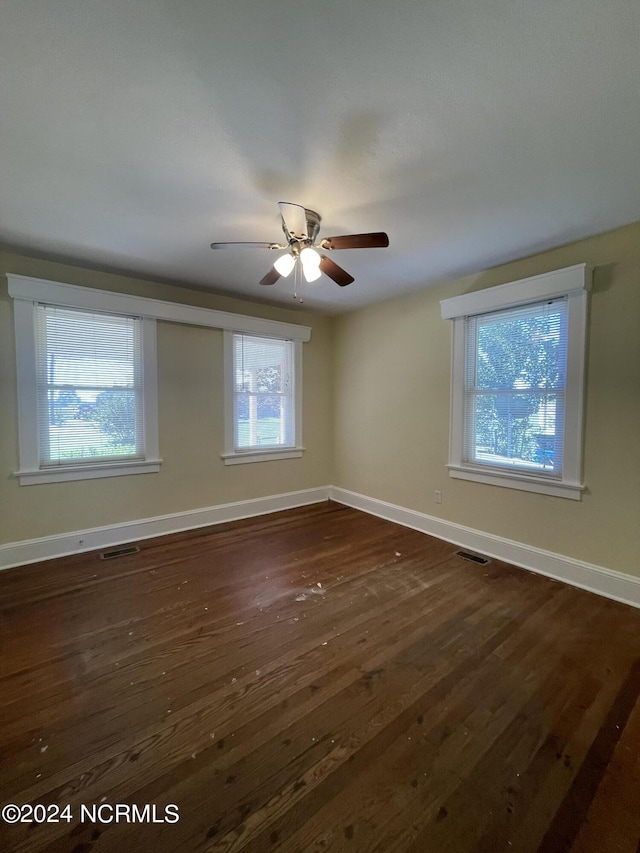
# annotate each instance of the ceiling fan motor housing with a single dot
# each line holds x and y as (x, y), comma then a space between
(313, 224)
(313, 221)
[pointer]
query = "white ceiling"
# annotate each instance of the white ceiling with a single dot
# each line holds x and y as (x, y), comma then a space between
(132, 134)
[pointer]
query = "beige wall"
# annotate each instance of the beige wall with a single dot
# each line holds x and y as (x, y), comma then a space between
(190, 421)
(376, 415)
(392, 411)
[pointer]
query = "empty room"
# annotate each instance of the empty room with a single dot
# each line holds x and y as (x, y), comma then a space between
(319, 418)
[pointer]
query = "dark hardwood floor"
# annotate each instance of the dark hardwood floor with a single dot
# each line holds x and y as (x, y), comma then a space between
(315, 680)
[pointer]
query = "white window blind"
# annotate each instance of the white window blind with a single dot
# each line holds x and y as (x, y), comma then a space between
(515, 370)
(263, 393)
(89, 386)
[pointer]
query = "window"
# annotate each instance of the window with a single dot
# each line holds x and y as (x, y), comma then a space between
(262, 398)
(86, 383)
(517, 383)
(515, 374)
(90, 391)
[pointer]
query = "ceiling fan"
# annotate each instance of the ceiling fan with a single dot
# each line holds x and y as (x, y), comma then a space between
(301, 227)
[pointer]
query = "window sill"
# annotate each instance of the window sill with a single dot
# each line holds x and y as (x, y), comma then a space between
(240, 457)
(87, 471)
(524, 482)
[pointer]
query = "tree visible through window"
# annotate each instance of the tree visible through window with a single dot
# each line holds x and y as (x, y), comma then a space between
(515, 377)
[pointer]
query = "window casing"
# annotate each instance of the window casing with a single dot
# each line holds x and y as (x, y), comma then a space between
(87, 399)
(263, 394)
(28, 292)
(517, 383)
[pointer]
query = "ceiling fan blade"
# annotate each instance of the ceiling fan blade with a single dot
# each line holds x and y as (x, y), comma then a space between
(294, 218)
(271, 277)
(375, 240)
(335, 272)
(247, 246)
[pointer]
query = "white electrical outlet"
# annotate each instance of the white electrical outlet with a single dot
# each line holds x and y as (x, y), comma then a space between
(437, 497)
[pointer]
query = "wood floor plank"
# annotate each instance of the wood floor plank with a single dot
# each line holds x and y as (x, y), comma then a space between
(317, 679)
(613, 820)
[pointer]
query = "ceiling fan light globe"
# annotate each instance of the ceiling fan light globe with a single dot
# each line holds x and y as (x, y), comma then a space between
(284, 264)
(310, 259)
(311, 273)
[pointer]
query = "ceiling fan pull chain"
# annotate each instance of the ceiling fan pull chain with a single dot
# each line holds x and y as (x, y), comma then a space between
(295, 281)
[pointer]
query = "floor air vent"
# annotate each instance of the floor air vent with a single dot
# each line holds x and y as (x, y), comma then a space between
(119, 552)
(473, 558)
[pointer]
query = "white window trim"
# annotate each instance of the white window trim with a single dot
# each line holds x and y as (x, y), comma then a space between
(231, 456)
(30, 472)
(574, 283)
(55, 293)
(29, 290)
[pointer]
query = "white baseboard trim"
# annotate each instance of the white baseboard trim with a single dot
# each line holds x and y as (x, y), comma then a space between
(61, 545)
(602, 581)
(606, 582)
